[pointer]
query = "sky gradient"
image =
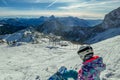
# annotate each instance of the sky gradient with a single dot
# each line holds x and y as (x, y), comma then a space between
(93, 9)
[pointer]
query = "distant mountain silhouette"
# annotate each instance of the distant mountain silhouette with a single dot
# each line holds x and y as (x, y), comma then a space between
(8, 29)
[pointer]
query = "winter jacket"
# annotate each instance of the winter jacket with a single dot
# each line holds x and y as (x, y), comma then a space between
(91, 69)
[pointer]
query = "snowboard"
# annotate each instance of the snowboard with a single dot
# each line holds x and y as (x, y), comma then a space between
(58, 74)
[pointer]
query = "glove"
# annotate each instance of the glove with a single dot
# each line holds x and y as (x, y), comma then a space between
(62, 70)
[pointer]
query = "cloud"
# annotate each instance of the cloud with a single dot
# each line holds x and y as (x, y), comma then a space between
(63, 1)
(90, 4)
(52, 3)
(38, 13)
(58, 1)
(78, 8)
(49, 1)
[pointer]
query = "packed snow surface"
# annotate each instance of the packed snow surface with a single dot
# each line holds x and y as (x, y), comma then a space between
(30, 61)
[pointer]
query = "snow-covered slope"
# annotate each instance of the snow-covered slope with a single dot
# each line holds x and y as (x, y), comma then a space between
(26, 35)
(109, 50)
(104, 35)
(31, 61)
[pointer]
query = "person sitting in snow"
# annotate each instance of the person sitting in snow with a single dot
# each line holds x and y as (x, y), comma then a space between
(91, 68)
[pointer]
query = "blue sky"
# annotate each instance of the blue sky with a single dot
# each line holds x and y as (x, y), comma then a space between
(94, 9)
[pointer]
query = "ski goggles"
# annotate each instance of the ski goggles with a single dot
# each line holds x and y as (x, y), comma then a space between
(85, 49)
(84, 53)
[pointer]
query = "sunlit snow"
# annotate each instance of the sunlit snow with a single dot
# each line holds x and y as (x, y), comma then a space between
(28, 61)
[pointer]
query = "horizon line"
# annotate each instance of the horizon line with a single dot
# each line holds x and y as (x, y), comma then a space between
(38, 16)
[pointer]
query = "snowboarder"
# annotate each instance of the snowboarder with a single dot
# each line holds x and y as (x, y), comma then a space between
(92, 65)
(91, 68)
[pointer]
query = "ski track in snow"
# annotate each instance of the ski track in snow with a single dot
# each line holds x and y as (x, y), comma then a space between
(25, 62)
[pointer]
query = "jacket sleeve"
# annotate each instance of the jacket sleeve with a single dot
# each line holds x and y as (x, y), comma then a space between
(101, 65)
(70, 74)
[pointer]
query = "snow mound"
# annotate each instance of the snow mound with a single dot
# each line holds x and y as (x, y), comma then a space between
(27, 35)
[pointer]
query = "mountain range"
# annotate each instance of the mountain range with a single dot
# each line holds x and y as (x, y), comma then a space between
(70, 28)
(82, 33)
(67, 21)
